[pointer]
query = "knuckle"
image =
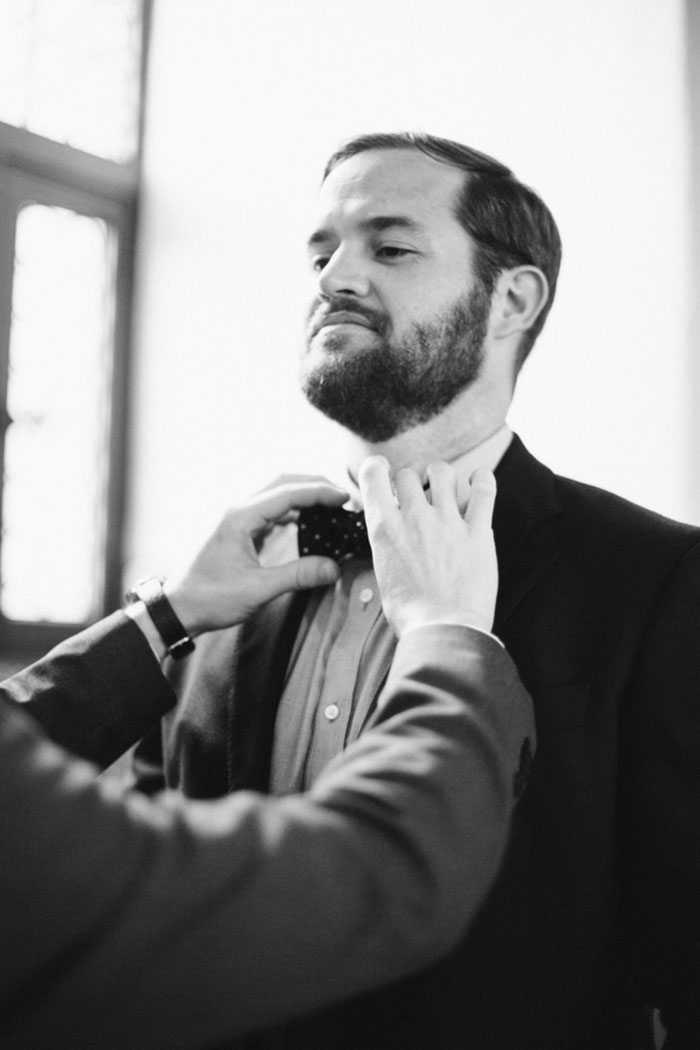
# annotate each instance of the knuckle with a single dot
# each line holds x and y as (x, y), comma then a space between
(372, 466)
(483, 481)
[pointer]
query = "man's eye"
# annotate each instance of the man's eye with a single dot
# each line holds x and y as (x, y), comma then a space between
(392, 251)
(319, 262)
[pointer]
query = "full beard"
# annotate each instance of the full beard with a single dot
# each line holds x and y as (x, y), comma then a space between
(381, 391)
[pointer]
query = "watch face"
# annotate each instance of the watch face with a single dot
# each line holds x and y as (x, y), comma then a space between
(150, 589)
(145, 590)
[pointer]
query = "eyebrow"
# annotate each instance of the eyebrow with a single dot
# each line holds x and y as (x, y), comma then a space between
(372, 225)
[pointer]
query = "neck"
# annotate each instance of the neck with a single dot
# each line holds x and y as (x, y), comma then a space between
(464, 424)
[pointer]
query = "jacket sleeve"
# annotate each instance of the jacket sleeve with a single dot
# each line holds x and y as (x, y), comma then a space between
(172, 923)
(97, 693)
(660, 807)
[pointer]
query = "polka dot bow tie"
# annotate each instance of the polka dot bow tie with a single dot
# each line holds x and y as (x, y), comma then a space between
(334, 532)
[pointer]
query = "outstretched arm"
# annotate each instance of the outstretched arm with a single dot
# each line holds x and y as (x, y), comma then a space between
(169, 923)
(102, 691)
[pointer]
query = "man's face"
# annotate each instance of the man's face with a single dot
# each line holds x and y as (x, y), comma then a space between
(396, 329)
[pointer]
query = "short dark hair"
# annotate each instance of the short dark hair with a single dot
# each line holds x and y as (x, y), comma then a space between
(507, 221)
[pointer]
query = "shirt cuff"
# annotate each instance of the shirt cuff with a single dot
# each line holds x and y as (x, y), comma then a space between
(451, 623)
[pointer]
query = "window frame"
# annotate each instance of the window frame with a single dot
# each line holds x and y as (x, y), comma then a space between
(35, 168)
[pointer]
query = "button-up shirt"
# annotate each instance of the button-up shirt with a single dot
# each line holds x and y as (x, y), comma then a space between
(342, 655)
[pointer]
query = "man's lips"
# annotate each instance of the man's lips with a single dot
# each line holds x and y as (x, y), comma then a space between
(341, 317)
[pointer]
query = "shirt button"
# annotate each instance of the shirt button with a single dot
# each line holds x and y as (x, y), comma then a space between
(332, 712)
(366, 595)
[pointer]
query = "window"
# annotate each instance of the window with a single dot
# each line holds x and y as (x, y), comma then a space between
(71, 76)
(70, 70)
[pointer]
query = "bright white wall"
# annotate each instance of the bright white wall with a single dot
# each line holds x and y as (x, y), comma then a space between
(584, 99)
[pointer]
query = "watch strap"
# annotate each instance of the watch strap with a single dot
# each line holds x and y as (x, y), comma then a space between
(173, 633)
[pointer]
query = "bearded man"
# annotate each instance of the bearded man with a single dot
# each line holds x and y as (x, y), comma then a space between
(435, 268)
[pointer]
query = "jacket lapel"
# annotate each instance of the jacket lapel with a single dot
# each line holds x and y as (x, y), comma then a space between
(526, 525)
(259, 668)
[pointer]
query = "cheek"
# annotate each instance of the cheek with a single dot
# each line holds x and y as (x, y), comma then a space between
(312, 304)
(423, 300)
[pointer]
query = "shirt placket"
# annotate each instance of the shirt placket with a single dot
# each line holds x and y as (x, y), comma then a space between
(334, 709)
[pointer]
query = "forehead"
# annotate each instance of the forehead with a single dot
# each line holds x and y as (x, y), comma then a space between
(392, 182)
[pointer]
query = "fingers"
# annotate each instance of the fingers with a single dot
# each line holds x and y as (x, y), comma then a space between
(314, 572)
(298, 575)
(381, 496)
(276, 503)
(482, 497)
(432, 564)
(443, 486)
(408, 488)
(377, 494)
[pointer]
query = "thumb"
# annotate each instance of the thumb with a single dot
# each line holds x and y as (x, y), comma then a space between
(299, 575)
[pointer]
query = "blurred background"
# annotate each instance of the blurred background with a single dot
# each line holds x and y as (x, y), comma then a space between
(158, 166)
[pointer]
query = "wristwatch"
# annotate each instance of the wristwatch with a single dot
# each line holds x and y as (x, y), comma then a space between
(149, 590)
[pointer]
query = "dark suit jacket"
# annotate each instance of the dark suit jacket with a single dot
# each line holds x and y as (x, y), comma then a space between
(597, 909)
(133, 926)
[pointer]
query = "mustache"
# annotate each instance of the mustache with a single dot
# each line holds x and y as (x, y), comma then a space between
(321, 308)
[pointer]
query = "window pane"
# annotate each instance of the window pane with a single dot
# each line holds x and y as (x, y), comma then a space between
(70, 70)
(56, 450)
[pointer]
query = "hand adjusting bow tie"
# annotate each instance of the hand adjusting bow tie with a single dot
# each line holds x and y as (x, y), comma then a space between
(333, 532)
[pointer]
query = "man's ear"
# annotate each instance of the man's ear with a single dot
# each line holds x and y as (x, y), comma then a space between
(519, 298)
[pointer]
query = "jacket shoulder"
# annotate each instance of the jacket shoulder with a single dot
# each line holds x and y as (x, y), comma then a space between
(598, 510)
(533, 493)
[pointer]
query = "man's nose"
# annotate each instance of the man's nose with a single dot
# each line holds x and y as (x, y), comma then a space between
(344, 274)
